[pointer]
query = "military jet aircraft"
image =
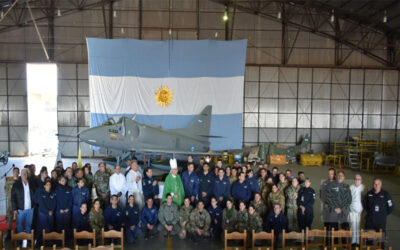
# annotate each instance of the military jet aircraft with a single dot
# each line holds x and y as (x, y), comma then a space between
(128, 136)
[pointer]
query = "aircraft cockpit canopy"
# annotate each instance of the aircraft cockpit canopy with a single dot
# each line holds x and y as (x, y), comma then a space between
(109, 121)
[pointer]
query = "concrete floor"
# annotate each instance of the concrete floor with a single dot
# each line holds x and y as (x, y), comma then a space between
(391, 183)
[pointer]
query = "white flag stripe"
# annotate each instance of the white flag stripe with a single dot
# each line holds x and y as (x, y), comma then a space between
(190, 95)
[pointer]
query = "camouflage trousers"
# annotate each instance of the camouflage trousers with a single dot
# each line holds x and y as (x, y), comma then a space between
(183, 231)
(104, 201)
(175, 230)
(193, 231)
(291, 214)
(10, 215)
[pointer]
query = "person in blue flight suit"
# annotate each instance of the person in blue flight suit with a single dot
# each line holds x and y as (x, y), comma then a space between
(221, 188)
(191, 184)
(46, 201)
(64, 206)
(277, 221)
(305, 201)
(253, 183)
(81, 222)
(241, 190)
(206, 185)
(215, 212)
(81, 219)
(378, 204)
(80, 194)
(132, 216)
(149, 219)
(113, 215)
(150, 186)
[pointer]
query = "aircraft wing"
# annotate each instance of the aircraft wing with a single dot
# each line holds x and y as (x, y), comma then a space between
(148, 150)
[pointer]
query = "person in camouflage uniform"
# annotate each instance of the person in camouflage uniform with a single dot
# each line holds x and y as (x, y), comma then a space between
(102, 183)
(199, 222)
(259, 205)
(7, 190)
(242, 217)
(96, 219)
(291, 205)
(229, 217)
(283, 184)
(233, 177)
(262, 180)
(168, 216)
(338, 198)
(276, 197)
(88, 176)
(266, 190)
(184, 214)
(254, 222)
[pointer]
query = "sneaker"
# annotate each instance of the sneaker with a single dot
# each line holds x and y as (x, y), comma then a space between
(24, 243)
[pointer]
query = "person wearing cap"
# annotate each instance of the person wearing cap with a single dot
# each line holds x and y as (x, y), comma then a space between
(173, 185)
(305, 201)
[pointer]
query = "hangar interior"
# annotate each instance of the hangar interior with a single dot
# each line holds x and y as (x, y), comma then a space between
(324, 68)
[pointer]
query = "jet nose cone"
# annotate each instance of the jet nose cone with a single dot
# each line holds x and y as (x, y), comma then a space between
(88, 136)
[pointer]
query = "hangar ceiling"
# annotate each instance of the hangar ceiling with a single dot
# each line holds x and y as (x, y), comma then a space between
(377, 21)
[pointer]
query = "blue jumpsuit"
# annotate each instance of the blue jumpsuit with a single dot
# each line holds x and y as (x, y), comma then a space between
(254, 188)
(79, 196)
(190, 184)
(46, 202)
(114, 217)
(222, 188)
(207, 186)
(215, 214)
(306, 198)
(81, 222)
(132, 217)
(64, 201)
(148, 189)
(241, 192)
(277, 223)
(149, 216)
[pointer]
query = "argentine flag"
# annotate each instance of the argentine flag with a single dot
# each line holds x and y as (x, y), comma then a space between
(168, 83)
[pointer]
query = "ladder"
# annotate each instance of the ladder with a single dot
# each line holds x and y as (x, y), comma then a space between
(353, 160)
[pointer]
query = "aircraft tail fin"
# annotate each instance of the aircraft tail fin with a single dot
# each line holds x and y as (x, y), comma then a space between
(200, 125)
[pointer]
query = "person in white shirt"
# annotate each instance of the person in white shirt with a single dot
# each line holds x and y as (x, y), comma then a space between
(357, 191)
(117, 186)
(134, 184)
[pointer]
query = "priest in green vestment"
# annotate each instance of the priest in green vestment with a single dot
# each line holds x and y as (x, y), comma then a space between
(173, 185)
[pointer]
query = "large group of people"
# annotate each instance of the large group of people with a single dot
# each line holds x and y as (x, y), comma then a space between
(201, 202)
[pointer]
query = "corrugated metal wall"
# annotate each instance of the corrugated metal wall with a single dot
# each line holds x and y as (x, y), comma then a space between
(282, 104)
(13, 109)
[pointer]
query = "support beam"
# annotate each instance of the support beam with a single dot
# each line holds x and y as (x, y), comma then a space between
(50, 27)
(391, 50)
(338, 45)
(284, 37)
(111, 20)
(198, 19)
(227, 23)
(140, 19)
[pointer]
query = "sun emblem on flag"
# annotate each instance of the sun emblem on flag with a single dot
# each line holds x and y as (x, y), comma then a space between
(164, 96)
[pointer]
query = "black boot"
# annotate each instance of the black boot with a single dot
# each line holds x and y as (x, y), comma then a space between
(8, 235)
